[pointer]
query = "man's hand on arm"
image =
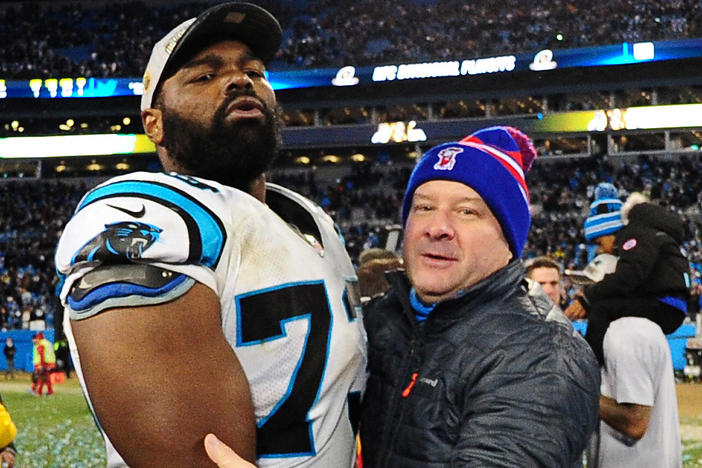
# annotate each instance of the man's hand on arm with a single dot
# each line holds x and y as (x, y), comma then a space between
(628, 418)
(223, 455)
(162, 377)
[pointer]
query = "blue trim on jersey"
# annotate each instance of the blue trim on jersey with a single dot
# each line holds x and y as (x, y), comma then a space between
(212, 234)
(60, 283)
(118, 290)
(294, 376)
(326, 361)
(340, 234)
(283, 334)
(347, 307)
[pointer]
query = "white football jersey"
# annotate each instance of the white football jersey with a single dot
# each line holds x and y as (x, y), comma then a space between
(287, 290)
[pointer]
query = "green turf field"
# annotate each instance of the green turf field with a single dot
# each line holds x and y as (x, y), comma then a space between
(690, 410)
(59, 432)
(52, 432)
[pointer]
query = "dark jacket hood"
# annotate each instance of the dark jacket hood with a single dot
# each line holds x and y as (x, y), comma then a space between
(658, 218)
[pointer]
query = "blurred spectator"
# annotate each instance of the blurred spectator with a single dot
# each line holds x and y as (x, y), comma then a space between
(694, 305)
(546, 272)
(9, 351)
(63, 357)
(44, 363)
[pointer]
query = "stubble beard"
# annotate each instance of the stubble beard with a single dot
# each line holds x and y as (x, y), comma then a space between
(232, 153)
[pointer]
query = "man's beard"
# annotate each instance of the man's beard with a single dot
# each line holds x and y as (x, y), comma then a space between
(232, 153)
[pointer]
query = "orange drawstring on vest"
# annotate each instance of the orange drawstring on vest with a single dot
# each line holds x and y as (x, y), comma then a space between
(406, 391)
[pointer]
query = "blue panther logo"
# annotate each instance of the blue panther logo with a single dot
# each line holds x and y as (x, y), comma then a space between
(119, 241)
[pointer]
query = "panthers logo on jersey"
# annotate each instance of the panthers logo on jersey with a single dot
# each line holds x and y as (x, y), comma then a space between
(125, 239)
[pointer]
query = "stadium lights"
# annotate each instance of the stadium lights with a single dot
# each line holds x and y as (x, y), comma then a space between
(68, 125)
(94, 166)
(628, 118)
(302, 160)
(74, 145)
(15, 126)
(122, 166)
(330, 158)
(358, 157)
(398, 132)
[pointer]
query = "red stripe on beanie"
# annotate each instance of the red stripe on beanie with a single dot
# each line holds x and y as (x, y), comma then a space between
(501, 156)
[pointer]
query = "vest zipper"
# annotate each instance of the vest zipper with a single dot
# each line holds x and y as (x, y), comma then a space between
(391, 434)
(406, 392)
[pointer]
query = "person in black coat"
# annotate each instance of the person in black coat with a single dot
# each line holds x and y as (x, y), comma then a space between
(465, 367)
(651, 279)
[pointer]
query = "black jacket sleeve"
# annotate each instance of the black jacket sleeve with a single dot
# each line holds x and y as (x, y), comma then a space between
(638, 251)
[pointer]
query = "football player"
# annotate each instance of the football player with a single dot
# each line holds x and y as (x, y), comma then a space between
(202, 299)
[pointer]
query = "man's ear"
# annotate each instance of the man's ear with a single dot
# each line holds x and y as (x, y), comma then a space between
(152, 120)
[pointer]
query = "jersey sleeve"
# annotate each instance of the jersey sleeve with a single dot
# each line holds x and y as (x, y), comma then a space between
(139, 241)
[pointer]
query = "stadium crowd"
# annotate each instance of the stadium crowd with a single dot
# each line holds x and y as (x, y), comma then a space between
(363, 203)
(32, 217)
(108, 39)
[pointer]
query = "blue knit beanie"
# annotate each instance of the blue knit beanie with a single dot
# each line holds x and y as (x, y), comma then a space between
(605, 212)
(493, 162)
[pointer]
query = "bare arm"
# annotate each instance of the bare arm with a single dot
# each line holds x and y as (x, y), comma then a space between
(161, 377)
(628, 418)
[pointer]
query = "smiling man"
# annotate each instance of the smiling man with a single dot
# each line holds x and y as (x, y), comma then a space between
(203, 299)
(465, 368)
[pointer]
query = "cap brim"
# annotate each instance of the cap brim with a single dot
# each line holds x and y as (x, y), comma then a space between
(245, 22)
(578, 277)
